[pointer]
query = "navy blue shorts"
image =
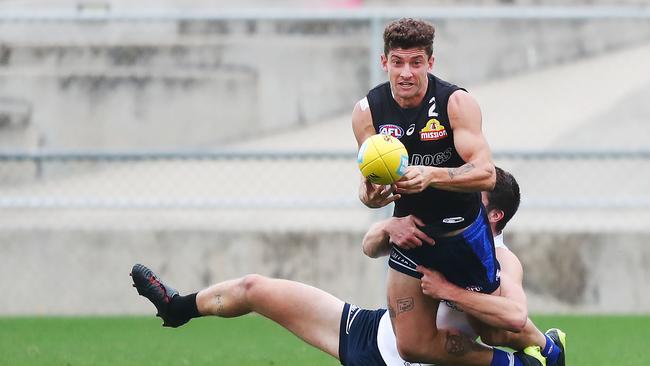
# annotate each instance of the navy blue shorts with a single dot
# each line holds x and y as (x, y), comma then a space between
(358, 337)
(467, 260)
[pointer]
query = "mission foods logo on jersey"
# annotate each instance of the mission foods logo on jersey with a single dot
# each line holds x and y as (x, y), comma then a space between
(391, 130)
(433, 131)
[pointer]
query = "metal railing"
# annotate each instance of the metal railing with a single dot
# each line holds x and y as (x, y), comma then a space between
(575, 179)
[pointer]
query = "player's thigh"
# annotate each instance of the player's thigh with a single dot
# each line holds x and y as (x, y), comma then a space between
(310, 313)
(413, 313)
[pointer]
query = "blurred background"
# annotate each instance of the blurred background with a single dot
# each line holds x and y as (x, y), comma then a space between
(211, 139)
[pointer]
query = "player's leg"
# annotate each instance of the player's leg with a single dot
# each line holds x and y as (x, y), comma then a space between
(418, 340)
(466, 259)
(312, 314)
(529, 335)
(511, 288)
(414, 321)
(559, 339)
(550, 347)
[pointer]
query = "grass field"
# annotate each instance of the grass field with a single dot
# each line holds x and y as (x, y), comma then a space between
(252, 340)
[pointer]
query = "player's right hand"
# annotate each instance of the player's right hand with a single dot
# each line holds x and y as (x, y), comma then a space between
(415, 180)
(376, 196)
(405, 234)
(434, 284)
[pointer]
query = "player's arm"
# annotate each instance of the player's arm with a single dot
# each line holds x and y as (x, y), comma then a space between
(372, 195)
(362, 121)
(376, 242)
(507, 311)
(402, 231)
(477, 174)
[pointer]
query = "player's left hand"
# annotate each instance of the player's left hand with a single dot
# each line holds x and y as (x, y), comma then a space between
(415, 180)
(434, 284)
(376, 196)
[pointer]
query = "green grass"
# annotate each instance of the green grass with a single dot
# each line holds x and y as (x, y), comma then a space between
(252, 340)
(603, 340)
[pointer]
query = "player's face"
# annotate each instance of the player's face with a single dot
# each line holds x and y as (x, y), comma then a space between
(407, 71)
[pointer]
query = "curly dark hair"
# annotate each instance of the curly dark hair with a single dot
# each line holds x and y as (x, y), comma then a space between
(409, 33)
(505, 197)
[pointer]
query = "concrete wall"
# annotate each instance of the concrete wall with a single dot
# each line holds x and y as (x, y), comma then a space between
(586, 272)
(77, 272)
(171, 96)
(73, 272)
(202, 84)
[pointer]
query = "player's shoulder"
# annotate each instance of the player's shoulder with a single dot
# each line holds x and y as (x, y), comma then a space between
(362, 105)
(453, 95)
(460, 102)
(362, 124)
(461, 96)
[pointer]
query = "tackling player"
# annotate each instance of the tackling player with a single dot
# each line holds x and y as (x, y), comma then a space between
(352, 335)
(499, 320)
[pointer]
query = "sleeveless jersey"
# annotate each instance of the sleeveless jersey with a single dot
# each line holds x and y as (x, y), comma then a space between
(429, 140)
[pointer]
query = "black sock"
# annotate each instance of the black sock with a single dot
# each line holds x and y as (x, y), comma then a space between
(184, 307)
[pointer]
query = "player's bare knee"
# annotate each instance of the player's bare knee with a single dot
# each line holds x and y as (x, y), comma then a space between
(252, 285)
(417, 351)
(406, 351)
(414, 355)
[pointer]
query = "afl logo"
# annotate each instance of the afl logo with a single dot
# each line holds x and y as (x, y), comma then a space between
(391, 130)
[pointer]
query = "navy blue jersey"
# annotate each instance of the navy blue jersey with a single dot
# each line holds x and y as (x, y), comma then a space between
(429, 140)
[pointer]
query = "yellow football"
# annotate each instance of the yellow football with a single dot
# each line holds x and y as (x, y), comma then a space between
(382, 159)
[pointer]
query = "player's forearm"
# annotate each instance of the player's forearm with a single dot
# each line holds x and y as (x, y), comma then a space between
(376, 242)
(478, 175)
(494, 310)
